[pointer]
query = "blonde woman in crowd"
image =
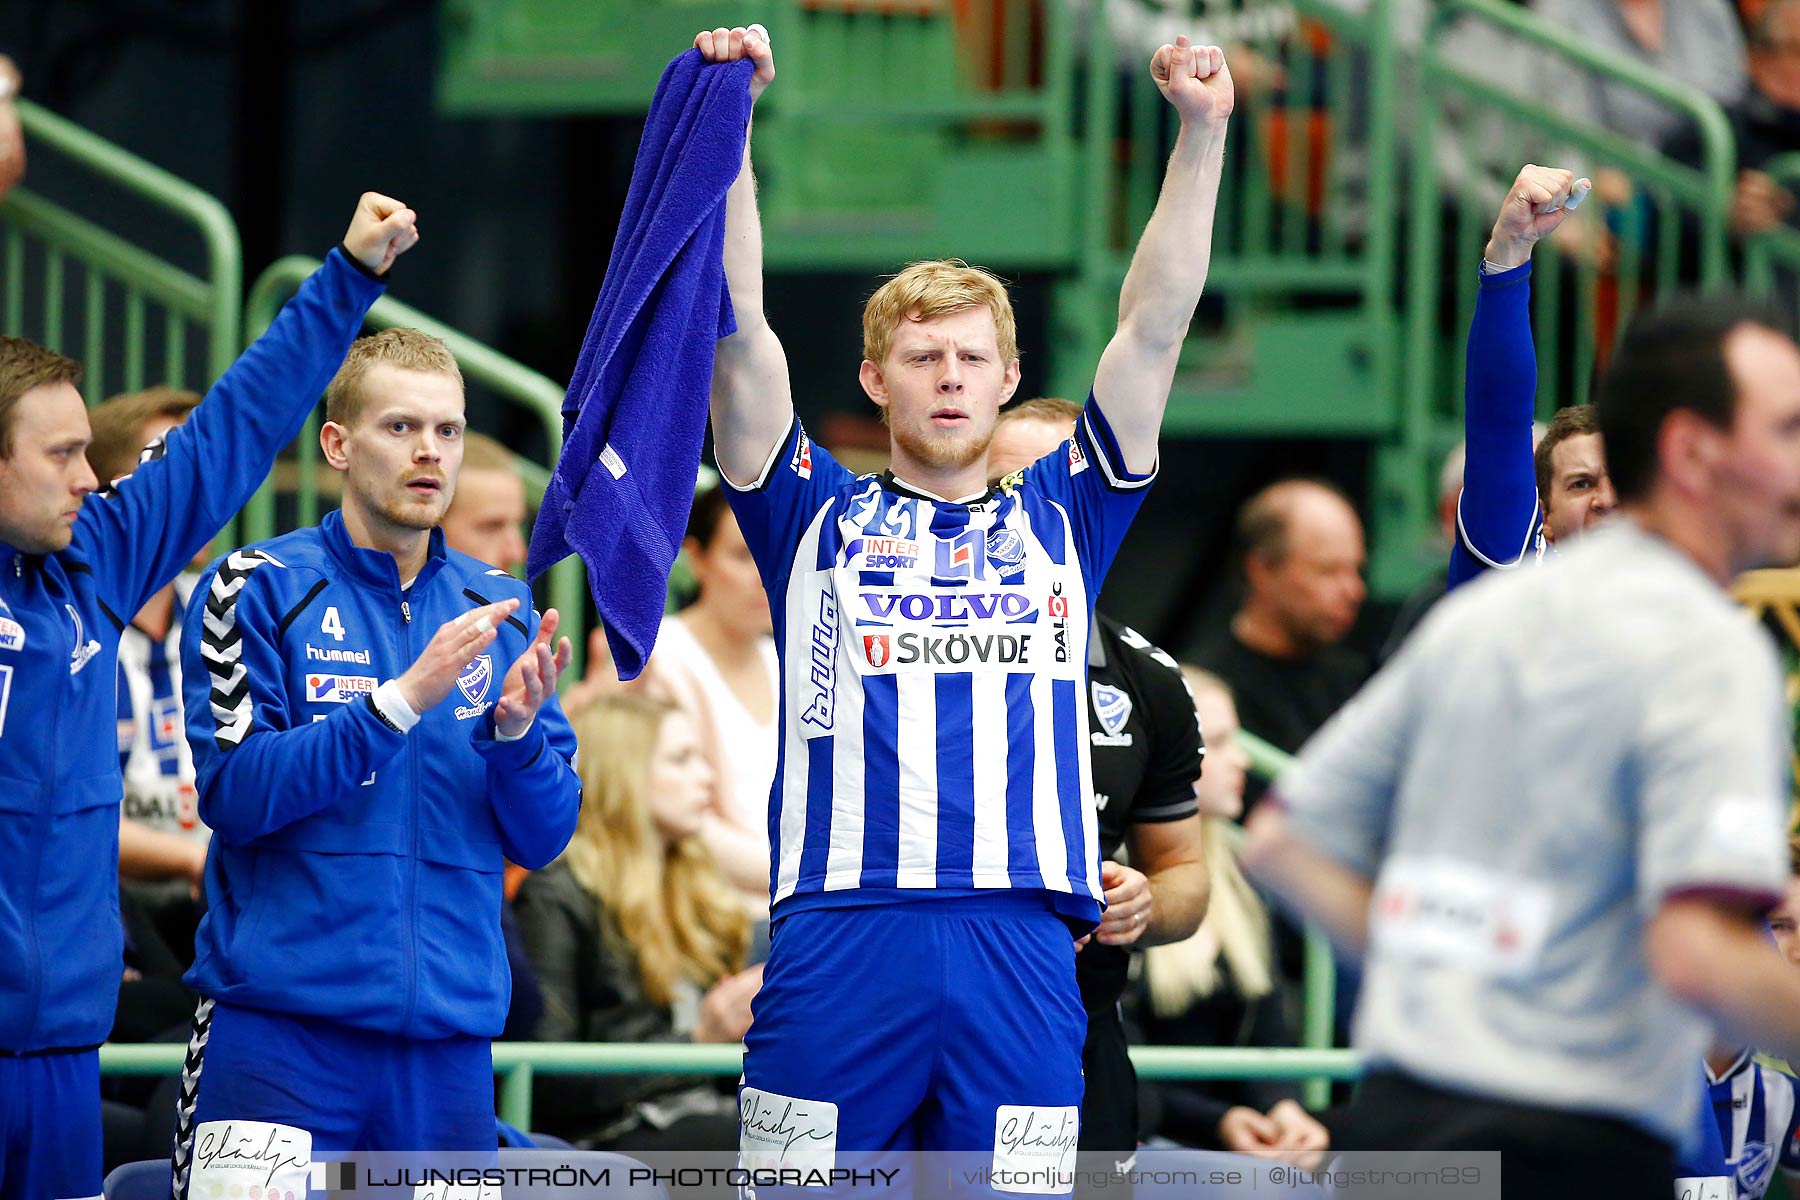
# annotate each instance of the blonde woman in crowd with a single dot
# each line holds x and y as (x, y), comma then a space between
(1218, 988)
(637, 936)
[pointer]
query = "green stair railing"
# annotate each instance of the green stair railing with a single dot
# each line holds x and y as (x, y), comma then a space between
(510, 381)
(568, 56)
(1297, 146)
(1670, 202)
(86, 289)
(889, 119)
(1300, 333)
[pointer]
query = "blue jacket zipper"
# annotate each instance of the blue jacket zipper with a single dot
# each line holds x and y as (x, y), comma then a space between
(412, 821)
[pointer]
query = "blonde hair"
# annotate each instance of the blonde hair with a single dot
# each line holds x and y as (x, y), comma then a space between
(1236, 927)
(1041, 408)
(670, 906)
(483, 453)
(937, 288)
(118, 425)
(407, 349)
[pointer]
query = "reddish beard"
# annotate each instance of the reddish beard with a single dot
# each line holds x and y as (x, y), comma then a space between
(939, 451)
(396, 511)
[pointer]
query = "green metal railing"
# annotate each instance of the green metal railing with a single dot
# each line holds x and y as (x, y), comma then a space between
(889, 117)
(1300, 334)
(568, 56)
(1772, 259)
(92, 293)
(518, 1063)
(1299, 141)
(511, 381)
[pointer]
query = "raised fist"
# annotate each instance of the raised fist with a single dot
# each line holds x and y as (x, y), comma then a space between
(729, 45)
(1195, 80)
(1540, 199)
(381, 230)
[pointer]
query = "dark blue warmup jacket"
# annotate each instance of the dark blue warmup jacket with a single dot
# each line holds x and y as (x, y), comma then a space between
(355, 871)
(60, 617)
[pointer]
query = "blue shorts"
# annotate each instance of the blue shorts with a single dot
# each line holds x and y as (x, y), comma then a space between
(350, 1089)
(50, 1126)
(936, 1024)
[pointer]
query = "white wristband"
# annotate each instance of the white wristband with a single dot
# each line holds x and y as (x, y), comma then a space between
(392, 705)
(501, 737)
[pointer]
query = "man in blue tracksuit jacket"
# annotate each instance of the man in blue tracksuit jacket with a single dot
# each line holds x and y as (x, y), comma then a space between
(71, 573)
(1502, 520)
(375, 731)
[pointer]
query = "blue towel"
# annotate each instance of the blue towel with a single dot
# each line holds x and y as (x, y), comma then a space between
(636, 410)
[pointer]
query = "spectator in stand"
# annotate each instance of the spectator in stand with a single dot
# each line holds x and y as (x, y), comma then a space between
(1219, 987)
(1765, 123)
(715, 661)
(1300, 548)
(487, 515)
(1697, 43)
(162, 840)
(638, 936)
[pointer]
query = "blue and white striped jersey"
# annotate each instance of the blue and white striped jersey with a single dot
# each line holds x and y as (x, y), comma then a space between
(933, 672)
(1749, 1123)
